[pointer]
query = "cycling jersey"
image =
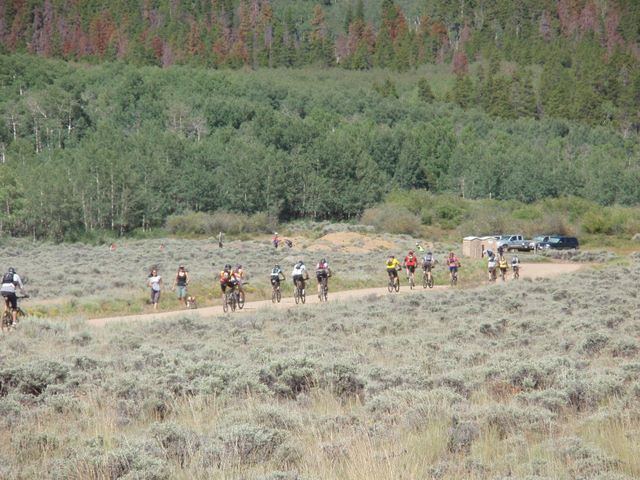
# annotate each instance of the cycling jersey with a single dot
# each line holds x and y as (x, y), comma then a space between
(502, 263)
(393, 264)
(410, 260)
(453, 261)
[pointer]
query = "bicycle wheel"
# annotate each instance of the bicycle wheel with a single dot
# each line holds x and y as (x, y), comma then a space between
(7, 320)
(396, 287)
(303, 296)
(430, 281)
(225, 303)
(325, 290)
(278, 295)
(233, 301)
(390, 285)
(296, 294)
(274, 295)
(412, 281)
(240, 300)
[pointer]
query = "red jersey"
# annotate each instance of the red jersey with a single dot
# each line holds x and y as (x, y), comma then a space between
(411, 261)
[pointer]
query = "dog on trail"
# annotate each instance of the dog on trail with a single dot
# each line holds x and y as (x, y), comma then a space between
(191, 302)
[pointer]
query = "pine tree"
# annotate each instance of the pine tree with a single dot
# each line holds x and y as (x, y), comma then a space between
(424, 91)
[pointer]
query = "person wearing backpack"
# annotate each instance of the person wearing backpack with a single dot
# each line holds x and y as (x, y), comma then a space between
(428, 262)
(10, 281)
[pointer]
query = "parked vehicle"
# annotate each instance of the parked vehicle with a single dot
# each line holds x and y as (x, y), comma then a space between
(559, 243)
(511, 243)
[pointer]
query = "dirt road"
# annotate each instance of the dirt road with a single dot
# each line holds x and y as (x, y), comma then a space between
(531, 270)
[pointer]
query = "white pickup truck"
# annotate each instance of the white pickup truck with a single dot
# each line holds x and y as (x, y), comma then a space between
(514, 242)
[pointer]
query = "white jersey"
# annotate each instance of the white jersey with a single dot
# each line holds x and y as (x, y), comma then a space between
(298, 270)
(11, 287)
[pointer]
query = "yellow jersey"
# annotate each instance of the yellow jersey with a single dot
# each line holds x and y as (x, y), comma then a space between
(393, 264)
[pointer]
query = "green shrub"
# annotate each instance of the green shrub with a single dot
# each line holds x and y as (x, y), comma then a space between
(202, 223)
(391, 219)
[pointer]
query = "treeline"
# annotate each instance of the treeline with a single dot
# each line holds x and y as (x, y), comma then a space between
(118, 147)
(588, 50)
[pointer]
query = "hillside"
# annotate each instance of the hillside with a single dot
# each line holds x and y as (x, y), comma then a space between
(528, 380)
(118, 147)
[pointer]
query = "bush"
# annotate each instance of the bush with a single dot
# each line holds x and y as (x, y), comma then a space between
(391, 219)
(201, 223)
(32, 378)
(248, 443)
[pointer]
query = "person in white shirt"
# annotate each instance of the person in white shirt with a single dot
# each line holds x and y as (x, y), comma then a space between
(155, 283)
(299, 274)
(10, 281)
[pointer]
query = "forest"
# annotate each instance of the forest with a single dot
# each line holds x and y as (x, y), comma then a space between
(117, 115)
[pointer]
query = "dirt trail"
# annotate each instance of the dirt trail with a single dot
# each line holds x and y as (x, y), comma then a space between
(530, 270)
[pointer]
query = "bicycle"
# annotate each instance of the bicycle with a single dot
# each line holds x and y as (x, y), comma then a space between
(7, 317)
(230, 300)
(412, 279)
(276, 294)
(299, 293)
(240, 298)
(454, 278)
(324, 289)
(493, 275)
(427, 279)
(394, 283)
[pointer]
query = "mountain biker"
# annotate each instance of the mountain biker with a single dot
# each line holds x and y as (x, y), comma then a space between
(453, 263)
(299, 274)
(10, 281)
(393, 265)
(322, 272)
(239, 274)
(180, 284)
(227, 279)
(276, 273)
(428, 263)
(515, 263)
(491, 266)
(410, 263)
(502, 265)
(275, 240)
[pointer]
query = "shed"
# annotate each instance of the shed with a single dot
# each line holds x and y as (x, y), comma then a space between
(472, 247)
(475, 247)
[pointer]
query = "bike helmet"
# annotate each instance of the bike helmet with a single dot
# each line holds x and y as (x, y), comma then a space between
(12, 270)
(277, 266)
(300, 262)
(410, 252)
(324, 260)
(429, 253)
(238, 267)
(227, 267)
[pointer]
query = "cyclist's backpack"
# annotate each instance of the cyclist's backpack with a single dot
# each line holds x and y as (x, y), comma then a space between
(275, 272)
(427, 260)
(7, 278)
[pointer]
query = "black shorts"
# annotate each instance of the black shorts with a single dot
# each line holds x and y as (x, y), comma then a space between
(321, 274)
(411, 268)
(392, 272)
(298, 278)
(275, 281)
(11, 298)
(427, 267)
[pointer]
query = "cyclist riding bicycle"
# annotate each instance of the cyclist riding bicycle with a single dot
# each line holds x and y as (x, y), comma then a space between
(428, 262)
(393, 265)
(491, 266)
(227, 279)
(238, 272)
(10, 281)
(453, 263)
(299, 274)
(502, 265)
(515, 263)
(276, 273)
(410, 263)
(322, 272)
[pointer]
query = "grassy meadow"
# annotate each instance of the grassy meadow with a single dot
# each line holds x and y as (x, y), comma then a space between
(527, 380)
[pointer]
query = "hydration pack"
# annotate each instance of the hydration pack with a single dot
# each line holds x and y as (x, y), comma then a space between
(7, 278)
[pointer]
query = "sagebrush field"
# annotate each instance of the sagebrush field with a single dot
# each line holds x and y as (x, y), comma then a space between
(529, 380)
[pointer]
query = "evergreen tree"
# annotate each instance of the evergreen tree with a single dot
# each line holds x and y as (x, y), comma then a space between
(424, 91)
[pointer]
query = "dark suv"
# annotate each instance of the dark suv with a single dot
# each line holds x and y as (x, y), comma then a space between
(560, 243)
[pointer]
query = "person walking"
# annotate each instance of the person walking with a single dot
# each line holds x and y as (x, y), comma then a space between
(155, 284)
(180, 284)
